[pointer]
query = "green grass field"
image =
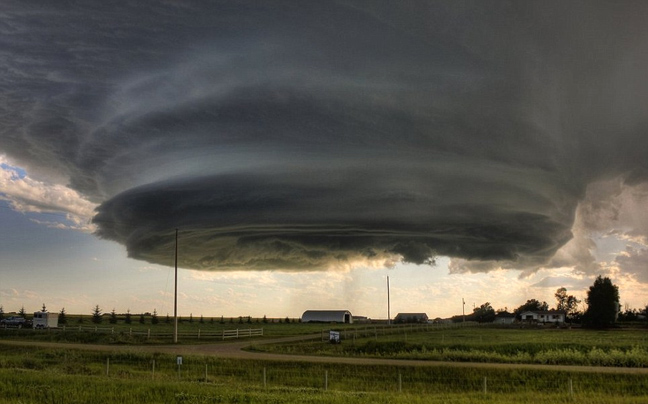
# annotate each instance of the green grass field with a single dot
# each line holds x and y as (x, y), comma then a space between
(59, 375)
(616, 347)
(37, 375)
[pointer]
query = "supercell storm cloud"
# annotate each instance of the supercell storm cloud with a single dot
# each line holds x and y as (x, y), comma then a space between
(303, 136)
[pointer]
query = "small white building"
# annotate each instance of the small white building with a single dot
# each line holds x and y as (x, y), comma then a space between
(504, 318)
(550, 316)
(327, 316)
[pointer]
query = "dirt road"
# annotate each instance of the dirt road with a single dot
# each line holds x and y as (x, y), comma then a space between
(235, 350)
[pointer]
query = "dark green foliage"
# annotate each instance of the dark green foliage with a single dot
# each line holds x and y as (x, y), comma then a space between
(532, 305)
(154, 317)
(1, 313)
(96, 315)
(603, 303)
(62, 318)
(113, 317)
(484, 313)
(566, 303)
(22, 312)
(202, 319)
(191, 317)
(141, 319)
(127, 318)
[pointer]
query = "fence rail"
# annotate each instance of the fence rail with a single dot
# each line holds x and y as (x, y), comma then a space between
(198, 334)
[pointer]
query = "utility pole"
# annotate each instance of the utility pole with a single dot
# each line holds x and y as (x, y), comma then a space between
(388, 304)
(175, 294)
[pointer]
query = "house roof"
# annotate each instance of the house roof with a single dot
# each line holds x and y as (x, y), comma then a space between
(412, 314)
(544, 312)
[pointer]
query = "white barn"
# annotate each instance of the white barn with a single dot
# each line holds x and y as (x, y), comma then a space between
(327, 316)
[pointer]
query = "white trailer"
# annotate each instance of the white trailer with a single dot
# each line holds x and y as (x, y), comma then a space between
(45, 319)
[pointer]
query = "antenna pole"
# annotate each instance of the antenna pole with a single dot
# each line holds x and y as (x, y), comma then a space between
(463, 309)
(175, 293)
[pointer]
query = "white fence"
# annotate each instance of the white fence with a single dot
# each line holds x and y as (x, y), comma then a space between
(198, 334)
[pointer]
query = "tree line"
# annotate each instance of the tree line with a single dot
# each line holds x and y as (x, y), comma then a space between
(603, 308)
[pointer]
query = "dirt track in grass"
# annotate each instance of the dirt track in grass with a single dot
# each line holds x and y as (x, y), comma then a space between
(236, 350)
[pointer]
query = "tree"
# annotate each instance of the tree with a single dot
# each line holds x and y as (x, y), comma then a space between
(1, 312)
(191, 317)
(154, 317)
(602, 303)
(532, 305)
(44, 308)
(484, 313)
(62, 319)
(202, 320)
(128, 319)
(141, 319)
(96, 315)
(265, 319)
(22, 312)
(167, 319)
(113, 317)
(565, 302)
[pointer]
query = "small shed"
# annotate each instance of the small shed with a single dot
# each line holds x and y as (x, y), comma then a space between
(327, 316)
(504, 318)
(411, 318)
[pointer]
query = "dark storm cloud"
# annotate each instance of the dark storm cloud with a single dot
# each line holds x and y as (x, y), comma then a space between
(303, 136)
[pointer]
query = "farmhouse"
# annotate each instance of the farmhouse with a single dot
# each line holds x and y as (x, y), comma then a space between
(551, 316)
(411, 318)
(327, 316)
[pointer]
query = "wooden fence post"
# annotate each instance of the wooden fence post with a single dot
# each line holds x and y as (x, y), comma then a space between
(107, 366)
(325, 380)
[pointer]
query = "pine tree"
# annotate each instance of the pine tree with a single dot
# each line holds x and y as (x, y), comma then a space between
(190, 317)
(202, 320)
(167, 319)
(1, 312)
(113, 317)
(141, 319)
(127, 319)
(96, 315)
(154, 317)
(22, 312)
(62, 319)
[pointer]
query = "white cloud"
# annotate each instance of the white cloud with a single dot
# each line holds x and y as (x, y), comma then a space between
(27, 195)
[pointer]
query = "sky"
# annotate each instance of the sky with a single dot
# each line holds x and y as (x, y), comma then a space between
(487, 151)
